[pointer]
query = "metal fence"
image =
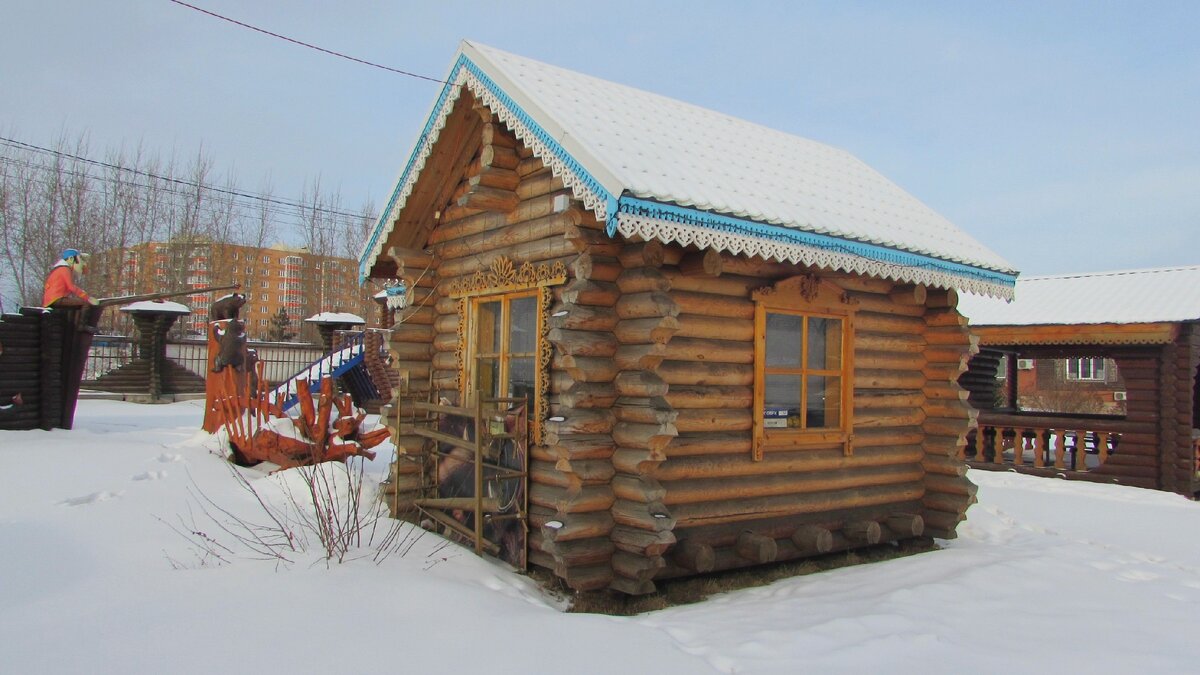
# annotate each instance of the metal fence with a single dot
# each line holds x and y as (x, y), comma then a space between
(281, 360)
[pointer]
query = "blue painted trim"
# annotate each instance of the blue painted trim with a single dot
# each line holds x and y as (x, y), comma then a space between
(336, 372)
(422, 140)
(678, 214)
(589, 181)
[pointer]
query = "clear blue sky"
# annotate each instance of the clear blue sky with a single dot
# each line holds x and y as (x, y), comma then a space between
(1066, 136)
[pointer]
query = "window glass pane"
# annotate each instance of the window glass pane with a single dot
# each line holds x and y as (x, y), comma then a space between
(824, 343)
(824, 402)
(784, 340)
(521, 378)
(487, 376)
(781, 402)
(487, 328)
(523, 339)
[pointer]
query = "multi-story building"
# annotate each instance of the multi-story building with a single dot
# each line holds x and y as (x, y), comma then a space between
(274, 278)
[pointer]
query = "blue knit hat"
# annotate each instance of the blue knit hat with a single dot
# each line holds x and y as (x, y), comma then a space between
(70, 253)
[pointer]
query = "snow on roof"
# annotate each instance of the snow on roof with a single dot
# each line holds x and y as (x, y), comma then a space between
(658, 168)
(1134, 296)
(335, 317)
(165, 306)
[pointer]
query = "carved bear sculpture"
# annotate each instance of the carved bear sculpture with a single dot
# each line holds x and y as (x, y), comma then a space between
(227, 307)
(232, 342)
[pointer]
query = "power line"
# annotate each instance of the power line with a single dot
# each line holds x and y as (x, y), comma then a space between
(310, 46)
(147, 202)
(295, 213)
(180, 181)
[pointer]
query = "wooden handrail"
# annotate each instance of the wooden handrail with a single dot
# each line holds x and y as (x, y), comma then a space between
(1041, 446)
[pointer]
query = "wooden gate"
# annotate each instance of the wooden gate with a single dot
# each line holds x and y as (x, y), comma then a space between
(475, 477)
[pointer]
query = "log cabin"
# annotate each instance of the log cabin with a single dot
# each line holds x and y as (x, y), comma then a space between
(737, 345)
(1115, 358)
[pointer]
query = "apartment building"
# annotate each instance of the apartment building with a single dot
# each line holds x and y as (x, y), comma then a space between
(274, 278)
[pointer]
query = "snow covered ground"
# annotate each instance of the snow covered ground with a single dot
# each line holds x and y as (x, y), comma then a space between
(1046, 576)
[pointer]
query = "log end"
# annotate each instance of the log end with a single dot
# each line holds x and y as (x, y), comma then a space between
(906, 525)
(811, 538)
(863, 532)
(695, 556)
(756, 548)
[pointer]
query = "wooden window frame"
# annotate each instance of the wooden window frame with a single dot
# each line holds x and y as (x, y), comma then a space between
(504, 356)
(502, 278)
(809, 297)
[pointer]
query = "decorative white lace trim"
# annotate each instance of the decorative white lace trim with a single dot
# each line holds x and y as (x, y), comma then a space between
(582, 185)
(596, 199)
(685, 234)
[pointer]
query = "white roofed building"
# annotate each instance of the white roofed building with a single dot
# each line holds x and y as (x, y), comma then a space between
(736, 345)
(1111, 357)
(657, 168)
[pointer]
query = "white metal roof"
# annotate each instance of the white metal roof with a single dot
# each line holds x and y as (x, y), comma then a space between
(335, 317)
(659, 168)
(1135, 296)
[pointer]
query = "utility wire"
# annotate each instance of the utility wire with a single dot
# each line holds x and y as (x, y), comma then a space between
(178, 181)
(310, 46)
(147, 203)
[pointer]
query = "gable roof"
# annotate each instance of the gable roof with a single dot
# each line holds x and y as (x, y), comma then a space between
(1161, 295)
(661, 169)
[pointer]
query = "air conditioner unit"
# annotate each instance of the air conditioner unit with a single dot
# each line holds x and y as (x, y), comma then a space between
(1119, 395)
(1024, 364)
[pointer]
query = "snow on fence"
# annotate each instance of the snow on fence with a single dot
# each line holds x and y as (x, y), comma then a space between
(281, 360)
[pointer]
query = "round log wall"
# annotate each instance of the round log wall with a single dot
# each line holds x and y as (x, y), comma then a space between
(645, 471)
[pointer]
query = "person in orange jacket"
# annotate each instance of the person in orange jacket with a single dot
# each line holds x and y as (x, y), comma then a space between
(60, 289)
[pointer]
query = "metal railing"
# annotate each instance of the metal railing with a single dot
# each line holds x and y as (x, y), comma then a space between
(280, 360)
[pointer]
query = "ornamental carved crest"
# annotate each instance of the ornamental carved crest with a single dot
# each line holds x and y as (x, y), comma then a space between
(803, 288)
(502, 276)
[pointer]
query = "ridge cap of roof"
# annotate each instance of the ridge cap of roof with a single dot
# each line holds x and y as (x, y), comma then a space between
(1110, 273)
(518, 88)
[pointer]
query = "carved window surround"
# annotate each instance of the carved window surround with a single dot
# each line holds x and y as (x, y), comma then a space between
(805, 297)
(502, 278)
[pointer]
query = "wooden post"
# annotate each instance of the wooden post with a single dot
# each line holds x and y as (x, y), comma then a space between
(1080, 450)
(479, 425)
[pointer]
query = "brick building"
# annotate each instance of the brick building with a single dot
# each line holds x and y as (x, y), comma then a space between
(273, 278)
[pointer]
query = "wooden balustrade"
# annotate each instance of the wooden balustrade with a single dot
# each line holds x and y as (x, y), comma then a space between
(1072, 446)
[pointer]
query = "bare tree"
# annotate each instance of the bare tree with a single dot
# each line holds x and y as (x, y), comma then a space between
(148, 220)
